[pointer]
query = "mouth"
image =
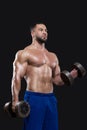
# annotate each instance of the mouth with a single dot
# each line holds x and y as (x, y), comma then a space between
(44, 37)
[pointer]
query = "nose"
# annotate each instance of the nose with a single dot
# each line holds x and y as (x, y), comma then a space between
(44, 32)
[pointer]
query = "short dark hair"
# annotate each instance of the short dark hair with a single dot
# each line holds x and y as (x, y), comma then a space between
(34, 24)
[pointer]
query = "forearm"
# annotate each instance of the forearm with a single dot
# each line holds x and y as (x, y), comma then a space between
(15, 89)
(57, 80)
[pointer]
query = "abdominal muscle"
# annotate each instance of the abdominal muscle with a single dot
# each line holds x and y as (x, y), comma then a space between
(39, 79)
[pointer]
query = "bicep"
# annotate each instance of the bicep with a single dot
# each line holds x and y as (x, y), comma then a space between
(56, 71)
(19, 64)
(19, 69)
(56, 76)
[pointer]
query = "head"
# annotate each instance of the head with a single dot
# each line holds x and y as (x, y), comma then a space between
(39, 32)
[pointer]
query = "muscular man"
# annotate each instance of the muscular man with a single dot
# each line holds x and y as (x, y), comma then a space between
(40, 68)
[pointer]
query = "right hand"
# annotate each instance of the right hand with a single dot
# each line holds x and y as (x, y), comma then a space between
(13, 106)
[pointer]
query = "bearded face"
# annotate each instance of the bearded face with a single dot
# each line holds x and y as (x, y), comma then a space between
(40, 33)
(41, 39)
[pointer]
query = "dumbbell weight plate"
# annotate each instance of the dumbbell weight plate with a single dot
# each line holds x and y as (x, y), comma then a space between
(22, 109)
(81, 70)
(67, 78)
(8, 109)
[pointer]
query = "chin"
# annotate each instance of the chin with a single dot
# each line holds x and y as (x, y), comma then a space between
(42, 40)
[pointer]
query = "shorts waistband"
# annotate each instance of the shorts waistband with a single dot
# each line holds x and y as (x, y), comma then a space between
(38, 93)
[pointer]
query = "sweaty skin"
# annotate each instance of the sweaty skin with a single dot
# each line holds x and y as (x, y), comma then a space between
(39, 67)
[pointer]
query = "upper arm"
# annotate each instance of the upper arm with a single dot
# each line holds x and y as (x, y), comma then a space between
(19, 65)
(56, 70)
(56, 74)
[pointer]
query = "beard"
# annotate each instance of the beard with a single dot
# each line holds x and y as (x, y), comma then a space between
(41, 40)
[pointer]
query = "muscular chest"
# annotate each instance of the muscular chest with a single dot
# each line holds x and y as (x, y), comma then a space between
(39, 58)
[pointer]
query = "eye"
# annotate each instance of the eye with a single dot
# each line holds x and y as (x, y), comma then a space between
(41, 29)
(46, 30)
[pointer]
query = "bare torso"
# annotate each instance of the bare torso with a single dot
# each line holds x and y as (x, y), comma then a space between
(39, 70)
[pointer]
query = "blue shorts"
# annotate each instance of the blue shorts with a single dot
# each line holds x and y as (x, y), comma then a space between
(43, 113)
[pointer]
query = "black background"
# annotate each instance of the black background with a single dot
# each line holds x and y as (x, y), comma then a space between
(67, 28)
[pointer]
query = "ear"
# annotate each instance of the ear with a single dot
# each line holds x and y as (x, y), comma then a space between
(32, 33)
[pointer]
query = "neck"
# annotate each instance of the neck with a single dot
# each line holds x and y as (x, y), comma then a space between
(38, 45)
